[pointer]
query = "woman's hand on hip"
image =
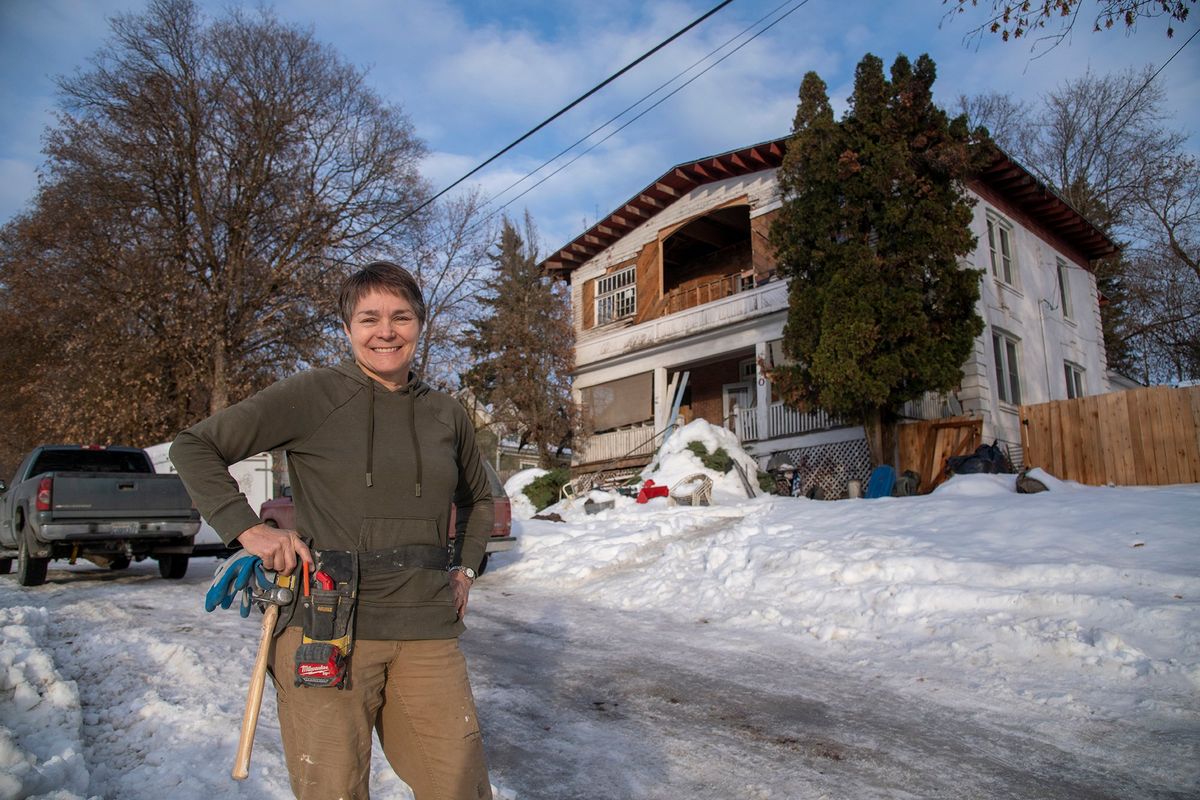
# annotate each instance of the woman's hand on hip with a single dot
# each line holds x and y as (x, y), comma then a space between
(460, 584)
(279, 549)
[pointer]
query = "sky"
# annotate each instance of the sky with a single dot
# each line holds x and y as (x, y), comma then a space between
(473, 75)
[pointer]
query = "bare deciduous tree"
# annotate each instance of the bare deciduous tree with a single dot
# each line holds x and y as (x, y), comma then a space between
(205, 185)
(1016, 19)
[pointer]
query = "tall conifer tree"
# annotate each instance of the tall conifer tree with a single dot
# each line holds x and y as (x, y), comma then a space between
(873, 225)
(522, 348)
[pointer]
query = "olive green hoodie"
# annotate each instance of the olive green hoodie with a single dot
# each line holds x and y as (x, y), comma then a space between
(371, 469)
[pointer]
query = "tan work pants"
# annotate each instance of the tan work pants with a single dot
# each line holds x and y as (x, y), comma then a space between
(415, 694)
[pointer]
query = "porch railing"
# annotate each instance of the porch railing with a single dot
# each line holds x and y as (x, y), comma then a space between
(629, 442)
(783, 421)
(702, 293)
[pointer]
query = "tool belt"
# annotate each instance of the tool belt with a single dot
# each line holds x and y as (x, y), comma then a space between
(329, 599)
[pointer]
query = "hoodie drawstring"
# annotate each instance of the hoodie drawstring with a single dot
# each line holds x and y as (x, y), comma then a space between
(370, 432)
(412, 431)
(412, 434)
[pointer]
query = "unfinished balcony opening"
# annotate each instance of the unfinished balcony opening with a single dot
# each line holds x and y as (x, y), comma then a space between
(707, 258)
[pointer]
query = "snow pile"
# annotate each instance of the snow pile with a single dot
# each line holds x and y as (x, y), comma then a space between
(41, 750)
(1079, 594)
(676, 462)
(522, 508)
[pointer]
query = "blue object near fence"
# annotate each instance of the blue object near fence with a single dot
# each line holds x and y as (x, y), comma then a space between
(880, 484)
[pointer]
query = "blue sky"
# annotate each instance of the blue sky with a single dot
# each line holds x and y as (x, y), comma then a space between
(475, 74)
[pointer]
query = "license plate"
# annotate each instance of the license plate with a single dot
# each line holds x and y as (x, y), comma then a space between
(125, 528)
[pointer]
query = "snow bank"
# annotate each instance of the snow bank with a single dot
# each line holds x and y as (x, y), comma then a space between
(676, 462)
(1079, 594)
(41, 750)
(522, 508)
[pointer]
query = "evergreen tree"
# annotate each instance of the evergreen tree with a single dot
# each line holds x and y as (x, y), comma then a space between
(873, 224)
(522, 348)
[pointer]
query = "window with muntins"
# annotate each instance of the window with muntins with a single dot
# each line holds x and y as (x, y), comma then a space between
(616, 295)
(1000, 245)
(1064, 289)
(1074, 374)
(1005, 348)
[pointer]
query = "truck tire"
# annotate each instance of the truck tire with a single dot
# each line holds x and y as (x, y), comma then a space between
(172, 567)
(5, 566)
(30, 571)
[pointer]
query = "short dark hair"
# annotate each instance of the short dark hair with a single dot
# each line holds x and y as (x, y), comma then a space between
(380, 276)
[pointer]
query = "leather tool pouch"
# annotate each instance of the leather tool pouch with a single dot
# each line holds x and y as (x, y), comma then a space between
(327, 618)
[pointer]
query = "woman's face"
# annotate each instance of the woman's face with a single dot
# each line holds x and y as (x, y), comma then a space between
(383, 335)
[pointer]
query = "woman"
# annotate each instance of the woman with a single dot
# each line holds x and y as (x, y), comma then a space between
(375, 458)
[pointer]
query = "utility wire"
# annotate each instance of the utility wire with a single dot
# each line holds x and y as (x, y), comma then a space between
(657, 103)
(1149, 80)
(637, 103)
(574, 103)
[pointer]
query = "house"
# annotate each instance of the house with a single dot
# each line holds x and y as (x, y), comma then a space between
(681, 280)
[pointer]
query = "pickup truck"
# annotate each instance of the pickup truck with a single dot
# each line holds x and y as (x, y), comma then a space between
(104, 504)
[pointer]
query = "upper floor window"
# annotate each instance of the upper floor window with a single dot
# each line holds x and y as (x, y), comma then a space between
(616, 295)
(1074, 374)
(1064, 289)
(1005, 348)
(1000, 245)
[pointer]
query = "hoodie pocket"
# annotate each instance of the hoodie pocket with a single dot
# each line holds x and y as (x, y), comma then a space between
(403, 586)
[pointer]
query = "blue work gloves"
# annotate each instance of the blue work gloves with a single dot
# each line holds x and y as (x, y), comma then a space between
(239, 574)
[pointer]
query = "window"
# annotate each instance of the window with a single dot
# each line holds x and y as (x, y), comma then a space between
(748, 370)
(1074, 374)
(1008, 373)
(1000, 245)
(616, 295)
(619, 403)
(1064, 289)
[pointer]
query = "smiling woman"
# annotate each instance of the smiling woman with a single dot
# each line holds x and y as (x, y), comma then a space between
(377, 459)
(382, 315)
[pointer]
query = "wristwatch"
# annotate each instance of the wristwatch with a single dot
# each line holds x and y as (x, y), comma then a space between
(470, 573)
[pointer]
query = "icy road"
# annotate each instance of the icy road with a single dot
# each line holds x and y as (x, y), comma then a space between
(971, 643)
(143, 695)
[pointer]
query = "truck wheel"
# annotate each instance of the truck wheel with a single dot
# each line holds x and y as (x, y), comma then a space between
(120, 562)
(5, 566)
(30, 571)
(172, 567)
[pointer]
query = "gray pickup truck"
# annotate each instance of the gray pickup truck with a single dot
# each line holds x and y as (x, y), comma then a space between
(104, 504)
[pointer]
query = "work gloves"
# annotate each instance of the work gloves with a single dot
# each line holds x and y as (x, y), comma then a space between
(241, 574)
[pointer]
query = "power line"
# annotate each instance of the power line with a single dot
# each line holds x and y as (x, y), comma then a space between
(1149, 80)
(574, 103)
(657, 103)
(635, 104)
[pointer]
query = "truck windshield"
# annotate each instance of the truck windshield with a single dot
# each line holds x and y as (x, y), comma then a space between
(90, 461)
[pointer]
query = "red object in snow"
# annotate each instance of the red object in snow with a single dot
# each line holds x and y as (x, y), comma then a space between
(650, 490)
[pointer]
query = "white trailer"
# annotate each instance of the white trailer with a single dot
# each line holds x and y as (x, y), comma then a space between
(255, 478)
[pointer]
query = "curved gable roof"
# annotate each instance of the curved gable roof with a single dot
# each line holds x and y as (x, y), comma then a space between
(1003, 174)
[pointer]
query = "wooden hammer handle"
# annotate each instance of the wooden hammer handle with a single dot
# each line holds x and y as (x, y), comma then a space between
(258, 679)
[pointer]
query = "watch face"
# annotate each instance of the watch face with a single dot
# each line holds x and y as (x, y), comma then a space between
(470, 573)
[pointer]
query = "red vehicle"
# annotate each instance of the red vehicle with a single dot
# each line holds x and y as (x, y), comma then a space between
(280, 513)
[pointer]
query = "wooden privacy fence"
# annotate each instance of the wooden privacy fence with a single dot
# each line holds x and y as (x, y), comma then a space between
(925, 446)
(1140, 437)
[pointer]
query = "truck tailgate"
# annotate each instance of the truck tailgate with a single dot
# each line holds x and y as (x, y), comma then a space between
(95, 495)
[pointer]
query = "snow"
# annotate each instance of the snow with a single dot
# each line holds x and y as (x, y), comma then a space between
(1053, 613)
(514, 487)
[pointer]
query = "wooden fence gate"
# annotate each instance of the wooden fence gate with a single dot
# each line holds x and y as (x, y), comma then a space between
(1141, 437)
(925, 446)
